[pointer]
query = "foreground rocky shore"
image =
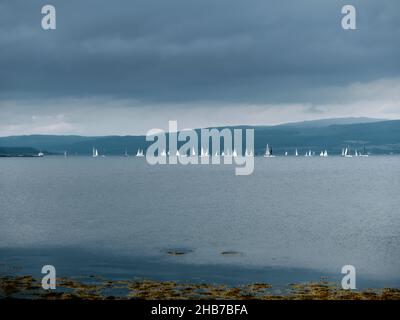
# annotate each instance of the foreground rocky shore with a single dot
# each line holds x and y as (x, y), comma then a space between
(96, 288)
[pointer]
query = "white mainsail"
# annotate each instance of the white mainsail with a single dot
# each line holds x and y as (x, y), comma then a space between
(346, 153)
(95, 153)
(267, 152)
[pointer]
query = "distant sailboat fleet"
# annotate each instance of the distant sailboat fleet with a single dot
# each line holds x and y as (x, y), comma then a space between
(228, 153)
(346, 153)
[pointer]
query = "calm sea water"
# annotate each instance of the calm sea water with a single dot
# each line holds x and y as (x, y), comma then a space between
(293, 219)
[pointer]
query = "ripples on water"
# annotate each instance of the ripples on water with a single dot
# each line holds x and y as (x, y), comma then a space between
(314, 214)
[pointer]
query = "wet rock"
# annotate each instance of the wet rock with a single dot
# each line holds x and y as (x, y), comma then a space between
(178, 251)
(230, 253)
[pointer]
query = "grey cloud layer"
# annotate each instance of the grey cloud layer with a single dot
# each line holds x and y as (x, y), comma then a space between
(254, 51)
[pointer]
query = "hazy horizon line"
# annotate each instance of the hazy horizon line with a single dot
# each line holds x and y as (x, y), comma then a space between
(372, 120)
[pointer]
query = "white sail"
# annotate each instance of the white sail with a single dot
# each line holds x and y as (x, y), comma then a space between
(234, 154)
(325, 153)
(248, 153)
(140, 153)
(267, 151)
(286, 153)
(363, 154)
(296, 153)
(346, 153)
(193, 152)
(95, 153)
(163, 153)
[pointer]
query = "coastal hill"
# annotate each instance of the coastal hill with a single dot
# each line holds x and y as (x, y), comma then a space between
(377, 136)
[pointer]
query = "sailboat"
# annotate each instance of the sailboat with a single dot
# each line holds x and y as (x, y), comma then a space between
(347, 154)
(356, 153)
(234, 154)
(193, 152)
(126, 153)
(95, 153)
(65, 154)
(248, 153)
(140, 153)
(40, 154)
(364, 153)
(286, 153)
(323, 153)
(268, 152)
(296, 153)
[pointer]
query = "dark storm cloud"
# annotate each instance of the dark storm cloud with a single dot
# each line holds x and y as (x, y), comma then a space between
(256, 51)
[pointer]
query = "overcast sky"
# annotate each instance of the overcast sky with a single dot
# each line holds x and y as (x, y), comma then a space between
(126, 66)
